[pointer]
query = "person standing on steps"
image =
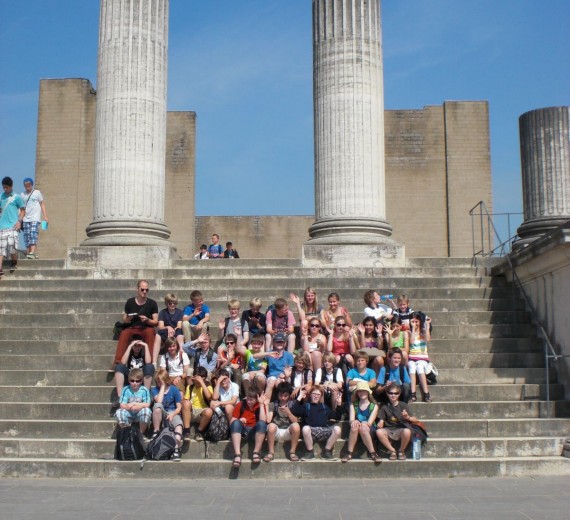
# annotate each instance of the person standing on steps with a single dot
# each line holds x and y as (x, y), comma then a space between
(11, 216)
(35, 211)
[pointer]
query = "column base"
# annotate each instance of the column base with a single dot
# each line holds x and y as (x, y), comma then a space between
(121, 257)
(350, 231)
(389, 254)
(533, 229)
(127, 233)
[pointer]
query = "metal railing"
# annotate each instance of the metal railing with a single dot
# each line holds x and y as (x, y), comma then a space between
(488, 234)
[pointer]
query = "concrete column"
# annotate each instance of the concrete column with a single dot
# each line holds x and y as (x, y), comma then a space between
(350, 206)
(128, 203)
(545, 162)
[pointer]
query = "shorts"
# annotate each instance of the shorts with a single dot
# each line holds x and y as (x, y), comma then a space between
(127, 417)
(373, 352)
(321, 433)
(394, 433)
(248, 431)
(163, 333)
(148, 369)
(283, 435)
(31, 230)
(8, 242)
(196, 414)
(176, 420)
(418, 366)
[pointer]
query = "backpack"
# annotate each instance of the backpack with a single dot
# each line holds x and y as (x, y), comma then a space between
(227, 320)
(162, 446)
(129, 445)
(387, 374)
(324, 375)
(218, 429)
(198, 353)
(166, 360)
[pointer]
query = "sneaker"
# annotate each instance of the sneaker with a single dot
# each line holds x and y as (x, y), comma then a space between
(32, 256)
(198, 437)
(328, 455)
(186, 434)
(176, 455)
(310, 455)
(13, 266)
(427, 398)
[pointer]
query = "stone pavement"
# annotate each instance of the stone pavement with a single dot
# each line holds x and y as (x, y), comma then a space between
(524, 498)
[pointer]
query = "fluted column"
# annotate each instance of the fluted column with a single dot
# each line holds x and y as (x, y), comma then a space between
(545, 162)
(128, 201)
(348, 83)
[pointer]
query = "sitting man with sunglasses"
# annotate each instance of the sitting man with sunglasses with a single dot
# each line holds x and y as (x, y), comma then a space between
(134, 403)
(140, 317)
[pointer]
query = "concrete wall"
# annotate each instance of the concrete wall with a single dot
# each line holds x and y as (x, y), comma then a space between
(544, 270)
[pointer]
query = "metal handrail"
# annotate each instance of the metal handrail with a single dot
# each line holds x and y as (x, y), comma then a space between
(549, 351)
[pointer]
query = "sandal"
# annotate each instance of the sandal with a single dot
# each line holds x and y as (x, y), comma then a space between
(293, 457)
(393, 456)
(237, 460)
(269, 457)
(401, 455)
(256, 457)
(347, 457)
(414, 397)
(375, 457)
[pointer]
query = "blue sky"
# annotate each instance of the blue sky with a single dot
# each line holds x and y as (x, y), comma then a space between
(245, 68)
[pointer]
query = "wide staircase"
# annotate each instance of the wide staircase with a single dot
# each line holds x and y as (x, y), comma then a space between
(488, 416)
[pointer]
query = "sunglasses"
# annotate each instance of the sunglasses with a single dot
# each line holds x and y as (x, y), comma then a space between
(393, 393)
(314, 325)
(135, 380)
(230, 342)
(172, 303)
(341, 324)
(143, 290)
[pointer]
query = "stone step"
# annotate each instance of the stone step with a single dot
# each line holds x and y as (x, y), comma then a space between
(458, 332)
(107, 346)
(88, 376)
(219, 305)
(225, 292)
(443, 392)
(279, 469)
(427, 411)
(109, 318)
(435, 448)
(74, 428)
(37, 265)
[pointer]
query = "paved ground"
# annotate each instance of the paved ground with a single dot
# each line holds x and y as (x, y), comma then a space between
(541, 498)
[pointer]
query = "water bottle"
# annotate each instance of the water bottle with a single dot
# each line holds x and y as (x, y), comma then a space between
(219, 411)
(385, 297)
(416, 448)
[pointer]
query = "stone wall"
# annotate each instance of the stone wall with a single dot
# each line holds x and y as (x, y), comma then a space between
(437, 168)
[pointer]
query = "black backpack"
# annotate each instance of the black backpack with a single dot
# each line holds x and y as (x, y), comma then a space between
(218, 429)
(129, 445)
(162, 446)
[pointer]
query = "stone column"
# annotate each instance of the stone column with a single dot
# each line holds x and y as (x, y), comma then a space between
(545, 162)
(350, 206)
(128, 204)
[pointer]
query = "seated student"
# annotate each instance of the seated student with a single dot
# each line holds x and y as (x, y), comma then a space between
(254, 317)
(195, 406)
(196, 317)
(396, 337)
(392, 426)
(418, 358)
(309, 308)
(280, 319)
(341, 342)
(316, 416)
(279, 363)
(137, 355)
(176, 363)
(134, 402)
(247, 422)
(203, 253)
(395, 373)
(255, 368)
(234, 325)
(404, 311)
(360, 372)
(362, 416)
(225, 395)
(314, 342)
(230, 251)
(330, 378)
(370, 340)
(301, 374)
(166, 410)
(283, 425)
(169, 325)
(231, 360)
(335, 310)
(374, 308)
(201, 354)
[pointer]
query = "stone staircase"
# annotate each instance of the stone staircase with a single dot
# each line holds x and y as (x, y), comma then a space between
(488, 417)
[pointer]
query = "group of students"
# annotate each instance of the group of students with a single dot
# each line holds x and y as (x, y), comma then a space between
(216, 251)
(266, 378)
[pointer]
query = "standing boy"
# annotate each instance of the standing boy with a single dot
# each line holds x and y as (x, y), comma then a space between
(35, 210)
(215, 249)
(11, 217)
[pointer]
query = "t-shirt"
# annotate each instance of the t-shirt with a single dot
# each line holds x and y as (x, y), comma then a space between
(280, 323)
(230, 393)
(147, 309)
(379, 312)
(9, 209)
(394, 375)
(254, 327)
(174, 366)
(235, 327)
(32, 203)
(170, 320)
(136, 360)
(216, 249)
(389, 417)
(142, 395)
(276, 366)
(189, 309)
(280, 417)
(171, 398)
(368, 375)
(328, 377)
(252, 364)
(195, 394)
(418, 349)
(250, 416)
